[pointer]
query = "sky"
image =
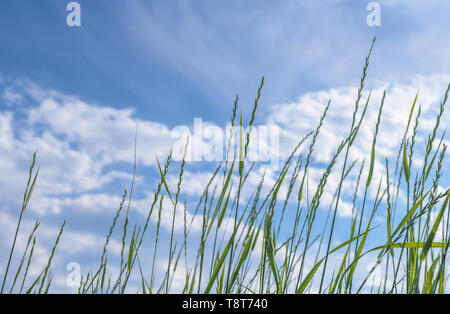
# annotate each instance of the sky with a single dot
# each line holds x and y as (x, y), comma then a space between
(76, 95)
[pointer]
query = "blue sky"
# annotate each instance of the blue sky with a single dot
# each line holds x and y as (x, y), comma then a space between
(182, 59)
(75, 94)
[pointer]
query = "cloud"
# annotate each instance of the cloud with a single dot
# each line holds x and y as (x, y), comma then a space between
(79, 144)
(101, 132)
(85, 148)
(300, 117)
(11, 97)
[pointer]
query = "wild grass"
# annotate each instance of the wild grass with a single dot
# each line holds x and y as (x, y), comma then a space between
(255, 257)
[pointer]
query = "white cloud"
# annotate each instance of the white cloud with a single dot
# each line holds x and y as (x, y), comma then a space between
(81, 148)
(300, 117)
(11, 97)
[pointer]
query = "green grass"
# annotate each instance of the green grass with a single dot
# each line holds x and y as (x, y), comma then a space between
(253, 257)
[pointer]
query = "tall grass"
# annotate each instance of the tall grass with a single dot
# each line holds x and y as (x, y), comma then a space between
(241, 248)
